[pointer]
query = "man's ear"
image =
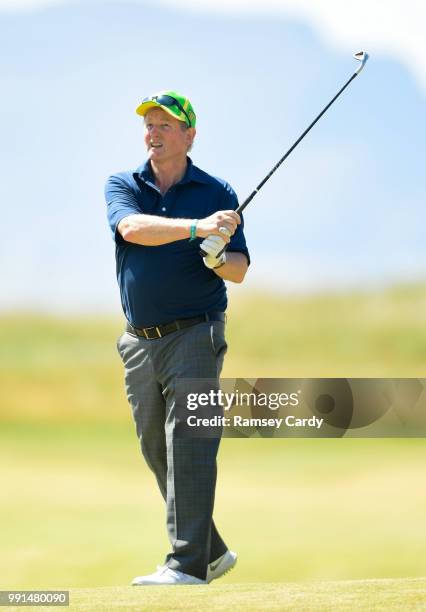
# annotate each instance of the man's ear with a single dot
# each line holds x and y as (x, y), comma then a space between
(191, 132)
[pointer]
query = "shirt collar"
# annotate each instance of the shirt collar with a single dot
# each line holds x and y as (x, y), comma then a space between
(192, 174)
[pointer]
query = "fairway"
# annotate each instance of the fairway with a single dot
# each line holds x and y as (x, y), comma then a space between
(82, 510)
(378, 595)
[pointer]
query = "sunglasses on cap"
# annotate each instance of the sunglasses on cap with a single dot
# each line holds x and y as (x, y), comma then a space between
(168, 101)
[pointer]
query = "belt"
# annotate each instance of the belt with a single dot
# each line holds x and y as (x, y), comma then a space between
(158, 331)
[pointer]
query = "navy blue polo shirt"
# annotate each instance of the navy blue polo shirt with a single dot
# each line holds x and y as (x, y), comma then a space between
(159, 284)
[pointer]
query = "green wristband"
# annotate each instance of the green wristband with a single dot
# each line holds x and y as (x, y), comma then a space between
(193, 230)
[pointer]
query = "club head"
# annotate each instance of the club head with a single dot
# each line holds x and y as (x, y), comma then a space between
(361, 56)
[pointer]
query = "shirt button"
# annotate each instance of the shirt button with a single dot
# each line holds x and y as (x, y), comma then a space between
(164, 209)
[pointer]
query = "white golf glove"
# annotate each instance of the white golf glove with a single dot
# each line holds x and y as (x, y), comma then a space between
(214, 262)
(213, 244)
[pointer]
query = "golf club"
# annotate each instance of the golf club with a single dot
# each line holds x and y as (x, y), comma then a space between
(361, 56)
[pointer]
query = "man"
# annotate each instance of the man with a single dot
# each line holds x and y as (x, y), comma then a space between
(174, 300)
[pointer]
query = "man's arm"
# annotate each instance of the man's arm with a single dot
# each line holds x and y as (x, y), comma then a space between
(235, 267)
(150, 230)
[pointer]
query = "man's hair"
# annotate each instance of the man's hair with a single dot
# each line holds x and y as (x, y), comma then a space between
(184, 126)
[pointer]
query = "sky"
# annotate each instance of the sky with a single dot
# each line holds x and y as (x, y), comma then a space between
(347, 209)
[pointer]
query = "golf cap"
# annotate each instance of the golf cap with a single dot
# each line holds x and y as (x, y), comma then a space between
(173, 103)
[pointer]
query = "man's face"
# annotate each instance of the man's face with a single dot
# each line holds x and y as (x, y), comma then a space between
(164, 136)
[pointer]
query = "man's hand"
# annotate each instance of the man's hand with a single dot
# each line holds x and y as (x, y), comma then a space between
(222, 223)
(220, 226)
(214, 262)
(213, 245)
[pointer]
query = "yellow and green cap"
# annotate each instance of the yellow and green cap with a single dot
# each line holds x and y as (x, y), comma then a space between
(173, 103)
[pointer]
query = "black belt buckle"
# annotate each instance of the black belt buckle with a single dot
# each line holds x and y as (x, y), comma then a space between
(147, 332)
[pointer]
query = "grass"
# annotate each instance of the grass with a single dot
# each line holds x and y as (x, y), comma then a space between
(68, 369)
(376, 334)
(378, 595)
(79, 507)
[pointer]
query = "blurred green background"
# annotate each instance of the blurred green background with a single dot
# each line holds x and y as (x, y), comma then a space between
(78, 506)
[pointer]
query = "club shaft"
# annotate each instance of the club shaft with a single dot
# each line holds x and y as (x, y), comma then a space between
(268, 176)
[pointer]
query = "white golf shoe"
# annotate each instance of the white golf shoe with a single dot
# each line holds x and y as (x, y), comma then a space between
(221, 566)
(165, 575)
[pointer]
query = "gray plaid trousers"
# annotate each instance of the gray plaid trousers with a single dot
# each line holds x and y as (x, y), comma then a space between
(185, 468)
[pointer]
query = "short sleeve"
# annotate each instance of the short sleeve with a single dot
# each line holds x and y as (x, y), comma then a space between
(121, 202)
